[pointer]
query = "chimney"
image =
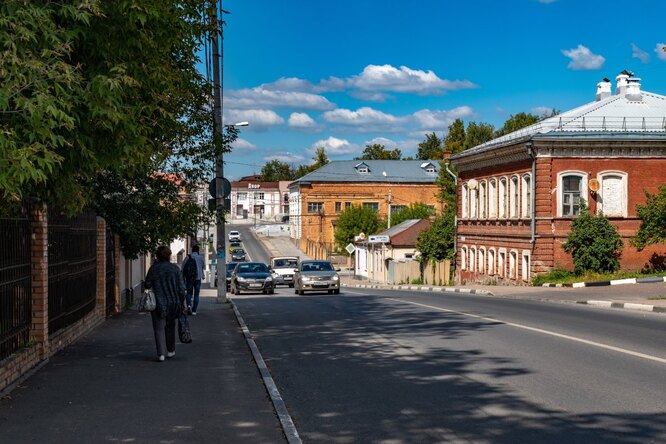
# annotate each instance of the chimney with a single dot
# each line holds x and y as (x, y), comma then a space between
(634, 89)
(603, 89)
(621, 80)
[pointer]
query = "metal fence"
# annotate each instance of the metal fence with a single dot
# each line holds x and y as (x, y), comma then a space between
(72, 268)
(110, 273)
(15, 285)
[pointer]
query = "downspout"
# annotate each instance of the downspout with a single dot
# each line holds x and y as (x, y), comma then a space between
(530, 151)
(455, 219)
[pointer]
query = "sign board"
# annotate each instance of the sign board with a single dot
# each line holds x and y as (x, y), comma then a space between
(350, 248)
(226, 187)
(379, 239)
(220, 254)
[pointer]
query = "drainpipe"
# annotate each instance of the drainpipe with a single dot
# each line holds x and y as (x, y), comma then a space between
(530, 151)
(455, 219)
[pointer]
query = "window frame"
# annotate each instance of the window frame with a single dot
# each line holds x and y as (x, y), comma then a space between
(502, 196)
(625, 191)
(315, 207)
(501, 262)
(463, 257)
(464, 201)
(526, 195)
(492, 198)
(560, 190)
(338, 207)
(491, 262)
(472, 259)
(483, 199)
(372, 205)
(513, 264)
(481, 260)
(526, 263)
(514, 197)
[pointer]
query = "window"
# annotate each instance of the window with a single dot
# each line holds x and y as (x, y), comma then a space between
(513, 264)
(338, 207)
(527, 196)
(483, 202)
(572, 187)
(492, 199)
(463, 258)
(501, 262)
(239, 210)
(612, 197)
(430, 169)
(315, 207)
(491, 261)
(242, 196)
(472, 259)
(465, 203)
(473, 203)
(482, 259)
(503, 198)
(526, 265)
(372, 205)
(259, 196)
(397, 208)
(347, 205)
(514, 199)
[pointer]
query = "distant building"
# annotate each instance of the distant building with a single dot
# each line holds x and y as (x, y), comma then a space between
(257, 200)
(518, 194)
(317, 199)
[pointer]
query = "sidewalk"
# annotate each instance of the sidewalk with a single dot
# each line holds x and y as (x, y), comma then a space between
(109, 387)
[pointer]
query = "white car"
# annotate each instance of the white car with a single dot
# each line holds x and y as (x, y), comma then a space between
(234, 236)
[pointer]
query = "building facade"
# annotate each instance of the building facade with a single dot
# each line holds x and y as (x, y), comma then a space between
(317, 199)
(519, 194)
(252, 199)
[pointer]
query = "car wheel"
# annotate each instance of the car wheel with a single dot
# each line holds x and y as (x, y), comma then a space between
(291, 285)
(271, 291)
(330, 291)
(301, 292)
(296, 290)
(337, 291)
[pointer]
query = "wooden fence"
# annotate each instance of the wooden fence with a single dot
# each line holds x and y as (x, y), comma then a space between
(407, 272)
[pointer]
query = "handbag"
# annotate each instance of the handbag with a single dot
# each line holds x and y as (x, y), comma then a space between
(147, 301)
(184, 329)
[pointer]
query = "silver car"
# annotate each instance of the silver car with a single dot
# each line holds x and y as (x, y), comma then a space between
(316, 275)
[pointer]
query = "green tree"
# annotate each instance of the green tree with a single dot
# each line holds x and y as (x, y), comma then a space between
(431, 148)
(416, 210)
(455, 139)
(436, 243)
(653, 220)
(516, 122)
(353, 221)
(319, 160)
(377, 151)
(478, 133)
(594, 243)
(275, 171)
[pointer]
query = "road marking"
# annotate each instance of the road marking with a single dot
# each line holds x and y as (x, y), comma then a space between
(540, 330)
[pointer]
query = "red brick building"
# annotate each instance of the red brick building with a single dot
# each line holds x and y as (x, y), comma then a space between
(518, 194)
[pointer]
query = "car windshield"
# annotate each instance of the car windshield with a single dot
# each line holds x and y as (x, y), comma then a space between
(317, 266)
(238, 251)
(286, 263)
(231, 266)
(252, 268)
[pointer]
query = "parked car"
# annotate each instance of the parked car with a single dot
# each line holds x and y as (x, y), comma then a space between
(233, 245)
(252, 276)
(315, 275)
(230, 269)
(238, 255)
(234, 236)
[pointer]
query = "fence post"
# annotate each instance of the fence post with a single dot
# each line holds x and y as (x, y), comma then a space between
(100, 300)
(39, 328)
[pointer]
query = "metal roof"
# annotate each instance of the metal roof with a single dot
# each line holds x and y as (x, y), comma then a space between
(396, 171)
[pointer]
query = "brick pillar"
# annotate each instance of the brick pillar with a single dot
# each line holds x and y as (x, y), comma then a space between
(100, 303)
(116, 262)
(39, 329)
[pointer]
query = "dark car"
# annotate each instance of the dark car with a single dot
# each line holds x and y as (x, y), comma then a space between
(252, 276)
(233, 245)
(316, 276)
(238, 255)
(230, 269)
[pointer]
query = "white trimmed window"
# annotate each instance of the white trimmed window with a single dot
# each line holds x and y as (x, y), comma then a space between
(612, 194)
(472, 259)
(501, 261)
(502, 194)
(473, 203)
(527, 196)
(513, 264)
(483, 199)
(492, 198)
(514, 197)
(526, 265)
(464, 201)
(463, 258)
(482, 259)
(572, 186)
(491, 261)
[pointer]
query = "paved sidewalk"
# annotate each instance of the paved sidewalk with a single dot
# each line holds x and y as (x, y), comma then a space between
(108, 386)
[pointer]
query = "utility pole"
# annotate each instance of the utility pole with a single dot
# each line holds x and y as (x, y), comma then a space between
(217, 45)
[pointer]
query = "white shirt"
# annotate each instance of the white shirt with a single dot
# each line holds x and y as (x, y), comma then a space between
(199, 259)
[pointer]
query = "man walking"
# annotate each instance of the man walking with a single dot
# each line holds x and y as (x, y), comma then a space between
(193, 270)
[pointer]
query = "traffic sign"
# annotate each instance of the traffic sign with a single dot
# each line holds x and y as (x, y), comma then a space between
(379, 239)
(226, 187)
(350, 248)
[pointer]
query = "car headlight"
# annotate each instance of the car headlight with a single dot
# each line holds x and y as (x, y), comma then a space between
(269, 278)
(240, 279)
(306, 279)
(335, 278)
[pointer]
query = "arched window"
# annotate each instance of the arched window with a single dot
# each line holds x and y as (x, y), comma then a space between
(483, 199)
(473, 203)
(514, 197)
(502, 194)
(491, 261)
(527, 196)
(526, 265)
(482, 259)
(612, 194)
(492, 198)
(472, 259)
(464, 201)
(463, 258)
(572, 186)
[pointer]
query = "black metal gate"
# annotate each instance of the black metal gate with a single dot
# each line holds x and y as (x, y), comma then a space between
(15, 284)
(72, 268)
(110, 273)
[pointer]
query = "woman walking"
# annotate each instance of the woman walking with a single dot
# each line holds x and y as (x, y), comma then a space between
(166, 280)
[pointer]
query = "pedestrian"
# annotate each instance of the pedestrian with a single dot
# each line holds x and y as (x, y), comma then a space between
(193, 271)
(166, 281)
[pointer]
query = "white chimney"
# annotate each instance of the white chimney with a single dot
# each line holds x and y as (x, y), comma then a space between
(621, 80)
(634, 89)
(603, 89)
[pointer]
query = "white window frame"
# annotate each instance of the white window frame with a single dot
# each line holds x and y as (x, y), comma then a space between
(463, 258)
(465, 201)
(474, 203)
(560, 189)
(501, 262)
(482, 260)
(526, 195)
(514, 197)
(526, 263)
(472, 259)
(491, 261)
(502, 194)
(492, 198)
(623, 197)
(513, 264)
(483, 199)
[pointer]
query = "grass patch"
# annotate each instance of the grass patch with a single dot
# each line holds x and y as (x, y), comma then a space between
(560, 276)
(657, 298)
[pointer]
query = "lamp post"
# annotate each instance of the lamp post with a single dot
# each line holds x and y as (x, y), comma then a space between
(389, 199)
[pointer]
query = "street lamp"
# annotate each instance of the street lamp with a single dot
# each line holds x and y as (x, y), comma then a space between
(389, 199)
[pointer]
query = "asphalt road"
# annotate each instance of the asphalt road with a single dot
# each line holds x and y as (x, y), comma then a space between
(387, 366)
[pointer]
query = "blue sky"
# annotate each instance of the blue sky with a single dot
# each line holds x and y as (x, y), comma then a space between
(341, 74)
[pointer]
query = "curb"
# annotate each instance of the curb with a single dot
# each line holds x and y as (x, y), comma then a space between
(647, 280)
(422, 288)
(288, 427)
(625, 305)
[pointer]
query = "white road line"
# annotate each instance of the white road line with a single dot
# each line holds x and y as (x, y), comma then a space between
(539, 330)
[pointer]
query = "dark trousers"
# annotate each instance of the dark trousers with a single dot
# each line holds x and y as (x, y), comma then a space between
(193, 289)
(164, 330)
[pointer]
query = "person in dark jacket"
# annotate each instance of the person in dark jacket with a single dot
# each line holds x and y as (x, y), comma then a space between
(166, 281)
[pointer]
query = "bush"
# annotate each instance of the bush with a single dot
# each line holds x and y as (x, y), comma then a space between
(594, 243)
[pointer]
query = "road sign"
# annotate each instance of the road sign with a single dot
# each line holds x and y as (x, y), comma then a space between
(220, 254)
(379, 239)
(350, 248)
(226, 186)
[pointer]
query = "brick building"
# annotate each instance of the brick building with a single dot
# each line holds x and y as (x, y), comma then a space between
(317, 199)
(518, 194)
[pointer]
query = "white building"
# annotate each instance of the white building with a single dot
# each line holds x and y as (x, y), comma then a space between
(259, 201)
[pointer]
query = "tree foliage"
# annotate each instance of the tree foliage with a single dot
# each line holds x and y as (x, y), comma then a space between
(653, 220)
(594, 243)
(516, 122)
(436, 243)
(378, 151)
(478, 133)
(353, 221)
(275, 171)
(455, 139)
(431, 148)
(416, 210)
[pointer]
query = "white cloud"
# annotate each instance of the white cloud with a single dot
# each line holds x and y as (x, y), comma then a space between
(301, 121)
(259, 119)
(440, 120)
(286, 157)
(261, 97)
(370, 96)
(289, 84)
(243, 145)
(541, 110)
(404, 79)
(659, 49)
(639, 54)
(364, 116)
(334, 146)
(583, 59)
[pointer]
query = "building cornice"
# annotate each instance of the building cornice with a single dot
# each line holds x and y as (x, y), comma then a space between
(489, 158)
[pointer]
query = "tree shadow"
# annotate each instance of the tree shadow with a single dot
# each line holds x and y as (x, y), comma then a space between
(656, 263)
